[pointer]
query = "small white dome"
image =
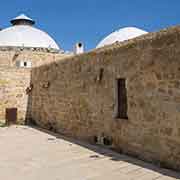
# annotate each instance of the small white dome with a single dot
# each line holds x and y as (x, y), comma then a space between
(121, 35)
(23, 34)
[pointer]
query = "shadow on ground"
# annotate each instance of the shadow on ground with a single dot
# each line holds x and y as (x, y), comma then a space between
(114, 156)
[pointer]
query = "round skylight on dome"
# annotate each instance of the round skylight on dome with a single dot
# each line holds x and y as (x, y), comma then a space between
(121, 35)
(24, 34)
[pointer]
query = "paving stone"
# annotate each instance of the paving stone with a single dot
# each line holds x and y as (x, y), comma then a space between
(30, 154)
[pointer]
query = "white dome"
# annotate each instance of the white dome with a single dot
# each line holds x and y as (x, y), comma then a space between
(121, 35)
(22, 33)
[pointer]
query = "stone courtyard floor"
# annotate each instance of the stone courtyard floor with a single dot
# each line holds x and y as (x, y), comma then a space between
(31, 154)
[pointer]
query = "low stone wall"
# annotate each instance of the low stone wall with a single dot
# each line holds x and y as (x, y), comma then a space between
(13, 85)
(77, 96)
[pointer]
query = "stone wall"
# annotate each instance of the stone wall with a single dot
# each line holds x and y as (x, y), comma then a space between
(9, 56)
(13, 85)
(69, 96)
(15, 80)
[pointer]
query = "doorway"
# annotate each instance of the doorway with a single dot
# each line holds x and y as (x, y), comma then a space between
(11, 115)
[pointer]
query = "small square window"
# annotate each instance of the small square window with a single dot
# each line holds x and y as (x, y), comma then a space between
(25, 64)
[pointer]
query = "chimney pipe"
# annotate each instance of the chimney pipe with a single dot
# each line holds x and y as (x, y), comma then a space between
(79, 48)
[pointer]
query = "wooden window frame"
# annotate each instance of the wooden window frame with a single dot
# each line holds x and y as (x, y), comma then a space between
(121, 107)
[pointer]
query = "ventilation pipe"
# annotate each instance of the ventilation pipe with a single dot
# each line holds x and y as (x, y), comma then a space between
(79, 48)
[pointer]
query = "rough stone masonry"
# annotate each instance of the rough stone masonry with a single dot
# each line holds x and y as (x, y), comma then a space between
(77, 96)
(15, 80)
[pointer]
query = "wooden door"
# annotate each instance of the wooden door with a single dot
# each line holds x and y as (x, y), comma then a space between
(11, 115)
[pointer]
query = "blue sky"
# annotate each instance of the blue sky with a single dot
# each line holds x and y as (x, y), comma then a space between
(70, 21)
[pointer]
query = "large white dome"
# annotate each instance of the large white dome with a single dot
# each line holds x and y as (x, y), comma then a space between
(23, 34)
(121, 35)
